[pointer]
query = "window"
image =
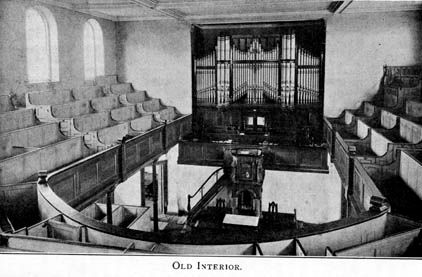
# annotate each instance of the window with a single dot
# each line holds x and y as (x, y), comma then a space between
(93, 50)
(250, 120)
(41, 45)
(260, 121)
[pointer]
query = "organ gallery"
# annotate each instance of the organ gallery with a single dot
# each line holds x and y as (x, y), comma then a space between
(264, 128)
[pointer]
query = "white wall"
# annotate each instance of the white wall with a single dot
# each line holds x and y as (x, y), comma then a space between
(357, 47)
(70, 41)
(316, 197)
(156, 56)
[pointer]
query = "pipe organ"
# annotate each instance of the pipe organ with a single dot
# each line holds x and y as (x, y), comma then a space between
(258, 69)
(258, 83)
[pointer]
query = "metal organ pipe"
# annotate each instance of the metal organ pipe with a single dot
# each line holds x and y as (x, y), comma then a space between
(273, 67)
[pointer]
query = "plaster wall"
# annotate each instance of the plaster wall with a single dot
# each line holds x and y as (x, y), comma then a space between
(156, 56)
(70, 42)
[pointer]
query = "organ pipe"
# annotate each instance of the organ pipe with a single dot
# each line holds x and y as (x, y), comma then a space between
(258, 69)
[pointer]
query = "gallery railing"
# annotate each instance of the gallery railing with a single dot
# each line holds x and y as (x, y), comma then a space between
(80, 183)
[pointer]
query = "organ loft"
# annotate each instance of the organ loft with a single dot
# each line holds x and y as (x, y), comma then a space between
(211, 127)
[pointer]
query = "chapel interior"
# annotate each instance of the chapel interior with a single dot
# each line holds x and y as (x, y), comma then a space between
(214, 127)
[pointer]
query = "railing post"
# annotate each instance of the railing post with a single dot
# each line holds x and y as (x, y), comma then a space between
(123, 159)
(155, 195)
(42, 177)
(189, 207)
(164, 136)
(109, 208)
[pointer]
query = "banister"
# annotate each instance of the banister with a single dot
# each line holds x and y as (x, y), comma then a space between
(206, 181)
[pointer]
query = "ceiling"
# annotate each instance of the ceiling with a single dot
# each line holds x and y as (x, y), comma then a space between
(226, 11)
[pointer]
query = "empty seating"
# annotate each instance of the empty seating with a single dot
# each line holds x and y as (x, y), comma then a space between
(92, 122)
(16, 120)
(373, 145)
(410, 131)
(122, 88)
(87, 92)
(105, 103)
(71, 109)
(143, 123)
(124, 113)
(410, 170)
(136, 97)
(400, 85)
(112, 134)
(413, 108)
(48, 97)
(60, 126)
(149, 106)
(20, 168)
(168, 114)
(22, 140)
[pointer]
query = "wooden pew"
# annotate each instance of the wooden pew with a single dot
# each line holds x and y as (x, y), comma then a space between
(87, 92)
(16, 120)
(23, 140)
(48, 98)
(105, 103)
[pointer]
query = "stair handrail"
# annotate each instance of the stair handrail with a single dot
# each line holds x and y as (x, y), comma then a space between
(201, 188)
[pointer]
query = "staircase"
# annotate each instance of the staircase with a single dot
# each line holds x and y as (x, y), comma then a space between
(206, 192)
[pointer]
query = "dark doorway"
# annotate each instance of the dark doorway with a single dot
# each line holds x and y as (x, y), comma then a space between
(246, 203)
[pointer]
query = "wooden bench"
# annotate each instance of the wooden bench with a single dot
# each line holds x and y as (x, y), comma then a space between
(105, 103)
(16, 120)
(87, 92)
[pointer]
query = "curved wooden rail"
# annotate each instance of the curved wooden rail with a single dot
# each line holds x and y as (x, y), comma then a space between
(201, 188)
(122, 160)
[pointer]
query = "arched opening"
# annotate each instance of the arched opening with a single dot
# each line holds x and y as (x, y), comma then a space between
(93, 50)
(41, 45)
(246, 199)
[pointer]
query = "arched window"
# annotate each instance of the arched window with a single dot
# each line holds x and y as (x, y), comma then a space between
(41, 45)
(93, 50)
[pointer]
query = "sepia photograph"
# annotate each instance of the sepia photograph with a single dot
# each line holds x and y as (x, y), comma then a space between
(196, 135)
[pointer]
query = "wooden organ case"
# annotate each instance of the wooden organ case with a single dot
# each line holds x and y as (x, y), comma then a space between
(259, 85)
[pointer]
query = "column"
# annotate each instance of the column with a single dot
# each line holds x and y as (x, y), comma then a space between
(165, 185)
(109, 207)
(155, 195)
(142, 185)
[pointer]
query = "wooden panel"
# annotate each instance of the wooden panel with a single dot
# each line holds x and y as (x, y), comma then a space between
(107, 167)
(414, 108)
(121, 88)
(342, 159)
(393, 246)
(50, 97)
(388, 120)
(410, 131)
(88, 177)
(411, 172)
(362, 129)
(379, 144)
(17, 120)
(275, 157)
(66, 188)
(82, 181)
